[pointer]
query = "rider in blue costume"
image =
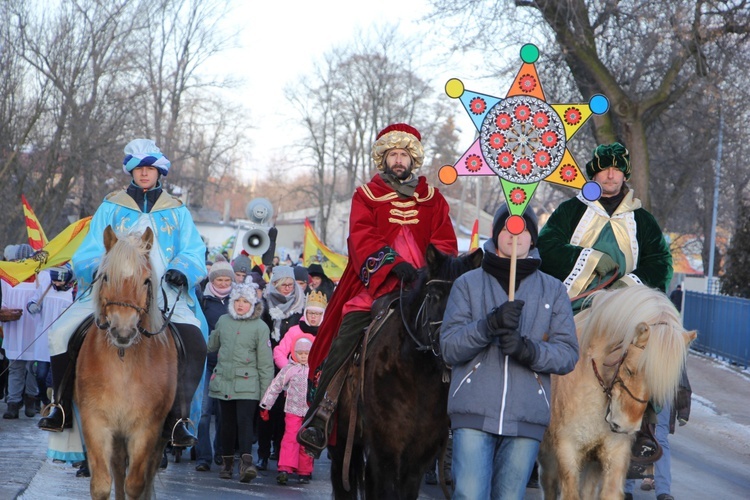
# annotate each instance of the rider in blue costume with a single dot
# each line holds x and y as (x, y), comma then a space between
(178, 264)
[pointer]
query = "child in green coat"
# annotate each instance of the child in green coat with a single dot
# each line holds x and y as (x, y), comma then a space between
(243, 372)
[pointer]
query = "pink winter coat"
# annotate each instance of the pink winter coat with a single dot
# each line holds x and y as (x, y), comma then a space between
(292, 379)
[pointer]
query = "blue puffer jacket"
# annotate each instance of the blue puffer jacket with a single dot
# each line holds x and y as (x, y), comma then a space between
(492, 392)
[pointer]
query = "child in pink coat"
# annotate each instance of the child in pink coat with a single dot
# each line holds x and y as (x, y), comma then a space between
(315, 307)
(293, 379)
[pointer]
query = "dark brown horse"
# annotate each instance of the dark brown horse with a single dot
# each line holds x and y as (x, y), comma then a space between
(400, 393)
(126, 373)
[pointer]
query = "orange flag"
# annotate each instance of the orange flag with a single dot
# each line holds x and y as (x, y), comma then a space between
(37, 238)
(474, 236)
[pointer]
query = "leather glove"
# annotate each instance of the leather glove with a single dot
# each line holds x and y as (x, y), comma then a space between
(505, 316)
(264, 415)
(605, 266)
(514, 345)
(405, 272)
(175, 278)
(33, 308)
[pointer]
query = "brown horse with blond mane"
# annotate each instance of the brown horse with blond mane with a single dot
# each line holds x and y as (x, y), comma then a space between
(126, 373)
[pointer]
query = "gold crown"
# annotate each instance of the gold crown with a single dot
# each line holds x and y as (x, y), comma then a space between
(317, 299)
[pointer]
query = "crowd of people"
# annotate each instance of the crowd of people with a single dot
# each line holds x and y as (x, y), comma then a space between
(252, 332)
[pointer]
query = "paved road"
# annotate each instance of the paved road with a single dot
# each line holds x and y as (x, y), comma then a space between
(710, 456)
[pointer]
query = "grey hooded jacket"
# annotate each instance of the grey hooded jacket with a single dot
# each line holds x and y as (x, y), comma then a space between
(490, 391)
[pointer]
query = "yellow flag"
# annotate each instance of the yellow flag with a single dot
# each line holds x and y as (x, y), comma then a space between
(55, 253)
(316, 251)
(37, 238)
(474, 236)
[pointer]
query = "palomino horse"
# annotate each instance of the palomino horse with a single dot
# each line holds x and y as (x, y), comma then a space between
(633, 349)
(401, 421)
(126, 372)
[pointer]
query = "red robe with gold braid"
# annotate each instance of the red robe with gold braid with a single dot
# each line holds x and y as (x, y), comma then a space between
(384, 230)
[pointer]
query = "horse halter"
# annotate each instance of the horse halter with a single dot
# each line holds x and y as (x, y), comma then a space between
(142, 311)
(616, 379)
(422, 321)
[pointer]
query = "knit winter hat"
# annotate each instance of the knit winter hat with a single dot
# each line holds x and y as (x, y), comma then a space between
(62, 273)
(281, 272)
(221, 268)
(301, 273)
(609, 155)
(502, 214)
(398, 136)
(241, 264)
(18, 252)
(144, 153)
(302, 343)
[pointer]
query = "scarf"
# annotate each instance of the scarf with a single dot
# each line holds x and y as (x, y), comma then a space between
(610, 204)
(499, 268)
(312, 330)
(219, 293)
(405, 188)
(282, 306)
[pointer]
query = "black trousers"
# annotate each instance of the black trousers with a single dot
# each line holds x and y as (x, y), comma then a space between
(237, 425)
(189, 370)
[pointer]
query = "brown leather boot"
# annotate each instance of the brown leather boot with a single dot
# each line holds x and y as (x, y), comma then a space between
(248, 472)
(227, 467)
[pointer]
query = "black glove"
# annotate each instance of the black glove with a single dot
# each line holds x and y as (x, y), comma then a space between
(505, 316)
(605, 266)
(272, 233)
(405, 272)
(516, 346)
(175, 278)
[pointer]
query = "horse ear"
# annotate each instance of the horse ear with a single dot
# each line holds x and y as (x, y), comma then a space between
(434, 258)
(148, 238)
(476, 257)
(690, 336)
(110, 238)
(642, 334)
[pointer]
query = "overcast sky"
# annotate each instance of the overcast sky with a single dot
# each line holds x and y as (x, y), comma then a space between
(280, 41)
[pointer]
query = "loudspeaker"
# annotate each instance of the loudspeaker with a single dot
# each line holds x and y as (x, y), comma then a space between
(256, 241)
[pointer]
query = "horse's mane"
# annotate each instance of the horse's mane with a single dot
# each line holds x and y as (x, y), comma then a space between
(615, 316)
(127, 259)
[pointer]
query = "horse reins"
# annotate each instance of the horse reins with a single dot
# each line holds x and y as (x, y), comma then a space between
(616, 379)
(431, 332)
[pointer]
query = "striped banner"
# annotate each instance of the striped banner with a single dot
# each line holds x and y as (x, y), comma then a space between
(37, 238)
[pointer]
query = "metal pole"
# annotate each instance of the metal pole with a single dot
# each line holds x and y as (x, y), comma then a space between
(717, 180)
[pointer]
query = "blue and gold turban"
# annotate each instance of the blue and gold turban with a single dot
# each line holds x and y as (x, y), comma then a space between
(144, 153)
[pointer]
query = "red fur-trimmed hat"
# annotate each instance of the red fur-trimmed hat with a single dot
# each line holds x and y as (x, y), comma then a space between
(398, 136)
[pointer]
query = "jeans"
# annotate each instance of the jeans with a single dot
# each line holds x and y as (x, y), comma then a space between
(663, 466)
(490, 466)
(209, 407)
(21, 380)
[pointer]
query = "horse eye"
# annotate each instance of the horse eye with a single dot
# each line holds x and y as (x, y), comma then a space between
(147, 282)
(104, 278)
(628, 371)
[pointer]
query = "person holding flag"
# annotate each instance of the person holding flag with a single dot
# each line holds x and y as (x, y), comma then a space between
(496, 344)
(178, 264)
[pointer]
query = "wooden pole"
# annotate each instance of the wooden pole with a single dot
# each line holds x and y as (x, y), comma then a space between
(513, 258)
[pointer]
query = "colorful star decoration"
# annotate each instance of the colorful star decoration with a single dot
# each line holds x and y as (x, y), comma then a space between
(522, 139)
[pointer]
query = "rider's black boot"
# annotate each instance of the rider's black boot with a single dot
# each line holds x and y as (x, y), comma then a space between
(58, 415)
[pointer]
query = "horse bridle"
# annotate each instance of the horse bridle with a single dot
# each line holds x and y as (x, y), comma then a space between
(423, 321)
(616, 379)
(142, 311)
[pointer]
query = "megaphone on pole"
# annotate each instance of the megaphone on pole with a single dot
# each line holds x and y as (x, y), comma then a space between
(255, 241)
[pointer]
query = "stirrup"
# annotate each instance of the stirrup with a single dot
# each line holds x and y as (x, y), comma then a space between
(47, 410)
(179, 421)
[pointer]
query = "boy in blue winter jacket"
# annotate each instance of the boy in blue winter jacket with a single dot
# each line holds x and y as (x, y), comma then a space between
(501, 354)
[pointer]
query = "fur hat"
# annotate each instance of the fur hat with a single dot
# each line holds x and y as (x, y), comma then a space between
(316, 269)
(401, 136)
(144, 153)
(221, 268)
(248, 292)
(502, 214)
(609, 155)
(280, 272)
(241, 264)
(301, 273)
